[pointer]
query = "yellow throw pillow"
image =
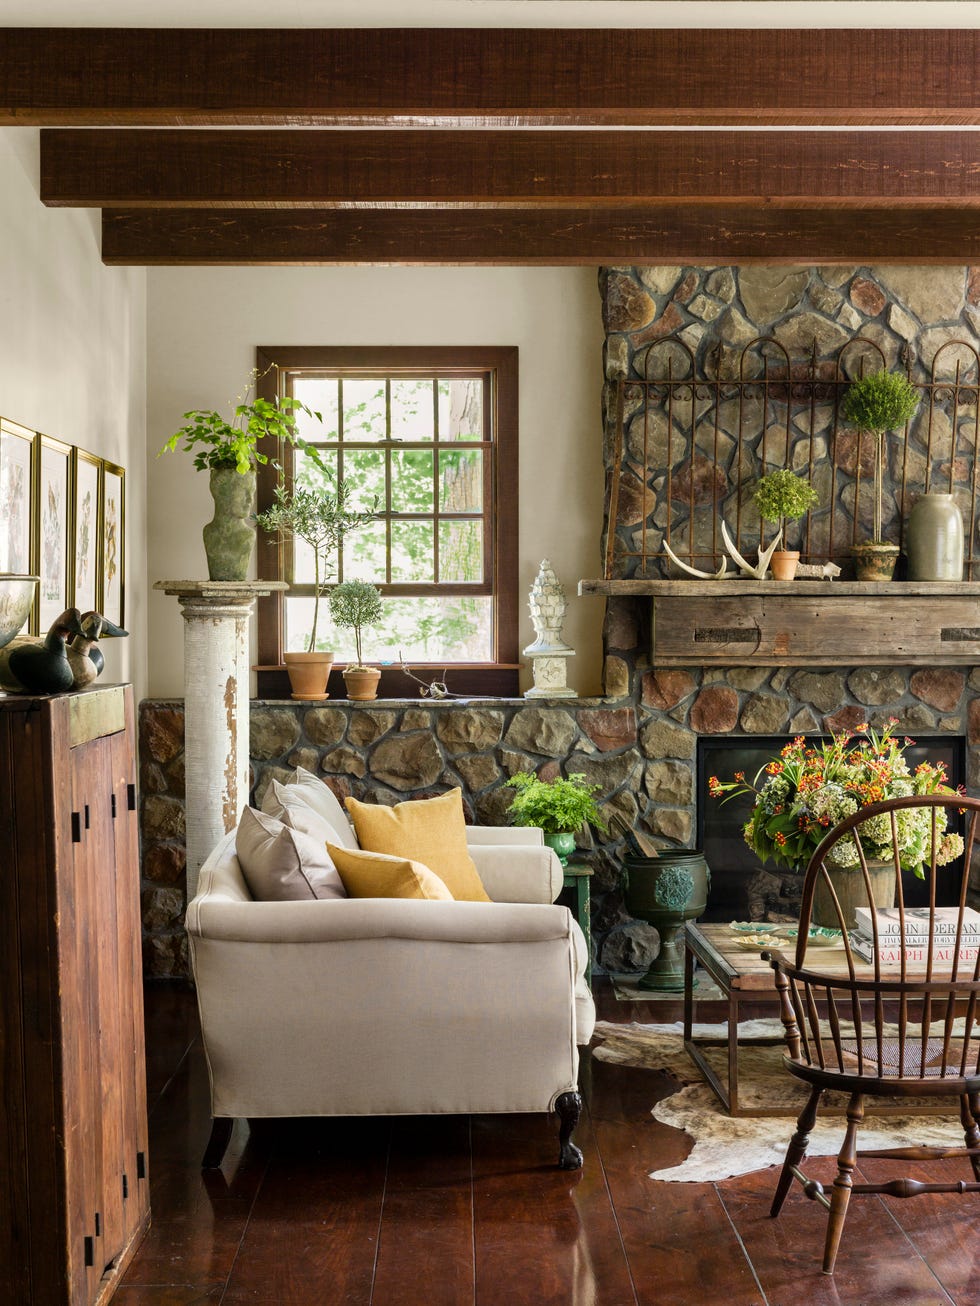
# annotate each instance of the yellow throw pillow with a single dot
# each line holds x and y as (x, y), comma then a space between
(427, 830)
(376, 875)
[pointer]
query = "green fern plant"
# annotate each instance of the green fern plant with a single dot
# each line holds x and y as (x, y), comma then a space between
(559, 806)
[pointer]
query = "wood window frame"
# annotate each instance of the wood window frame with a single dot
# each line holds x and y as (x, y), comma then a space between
(498, 677)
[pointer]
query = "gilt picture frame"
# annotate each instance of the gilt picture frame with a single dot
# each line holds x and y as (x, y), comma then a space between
(87, 517)
(112, 543)
(52, 528)
(16, 498)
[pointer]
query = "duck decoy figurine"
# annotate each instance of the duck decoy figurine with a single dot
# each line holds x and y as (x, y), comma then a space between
(41, 666)
(84, 655)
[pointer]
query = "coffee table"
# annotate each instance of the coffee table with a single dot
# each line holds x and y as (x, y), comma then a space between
(742, 977)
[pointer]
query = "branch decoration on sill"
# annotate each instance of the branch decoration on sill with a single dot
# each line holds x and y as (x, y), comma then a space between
(429, 689)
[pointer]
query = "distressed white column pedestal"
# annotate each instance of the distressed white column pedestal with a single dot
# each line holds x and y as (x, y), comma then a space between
(216, 695)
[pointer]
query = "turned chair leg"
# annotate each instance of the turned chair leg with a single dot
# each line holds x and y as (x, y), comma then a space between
(841, 1195)
(796, 1150)
(969, 1110)
(569, 1108)
(221, 1127)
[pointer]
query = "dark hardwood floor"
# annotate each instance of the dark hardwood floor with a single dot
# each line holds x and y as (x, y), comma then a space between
(447, 1211)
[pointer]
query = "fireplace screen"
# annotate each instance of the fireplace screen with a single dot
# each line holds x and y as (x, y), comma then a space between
(742, 887)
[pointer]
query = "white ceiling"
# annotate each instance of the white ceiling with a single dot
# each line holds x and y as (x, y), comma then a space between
(491, 13)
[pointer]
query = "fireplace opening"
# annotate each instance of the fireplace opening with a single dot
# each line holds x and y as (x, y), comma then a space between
(745, 888)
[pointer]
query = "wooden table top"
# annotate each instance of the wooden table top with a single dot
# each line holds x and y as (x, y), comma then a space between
(744, 968)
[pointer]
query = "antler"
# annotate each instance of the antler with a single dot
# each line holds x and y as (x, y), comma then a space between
(693, 571)
(758, 572)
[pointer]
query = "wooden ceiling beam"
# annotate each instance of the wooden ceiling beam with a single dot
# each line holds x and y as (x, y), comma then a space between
(674, 234)
(423, 77)
(501, 169)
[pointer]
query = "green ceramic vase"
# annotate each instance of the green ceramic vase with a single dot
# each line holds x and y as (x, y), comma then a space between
(230, 535)
(563, 843)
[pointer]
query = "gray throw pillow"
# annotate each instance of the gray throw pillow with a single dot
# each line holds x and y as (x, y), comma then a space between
(284, 865)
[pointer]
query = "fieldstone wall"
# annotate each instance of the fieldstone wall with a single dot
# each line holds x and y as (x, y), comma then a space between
(907, 313)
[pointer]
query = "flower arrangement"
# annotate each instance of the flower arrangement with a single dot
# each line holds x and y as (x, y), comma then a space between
(809, 789)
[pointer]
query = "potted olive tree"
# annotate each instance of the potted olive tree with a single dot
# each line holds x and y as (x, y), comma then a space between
(559, 807)
(322, 521)
(355, 604)
(229, 450)
(781, 497)
(880, 402)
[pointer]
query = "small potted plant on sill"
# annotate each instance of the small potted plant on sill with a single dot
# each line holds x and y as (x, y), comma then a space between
(560, 807)
(880, 402)
(230, 451)
(322, 521)
(355, 604)
(781, 497)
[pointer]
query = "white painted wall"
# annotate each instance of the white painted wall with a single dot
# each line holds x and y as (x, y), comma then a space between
(204, 324)
(73, 356)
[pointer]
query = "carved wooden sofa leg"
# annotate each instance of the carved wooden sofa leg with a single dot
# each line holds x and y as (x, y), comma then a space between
(221, 1127)
(569, 1108)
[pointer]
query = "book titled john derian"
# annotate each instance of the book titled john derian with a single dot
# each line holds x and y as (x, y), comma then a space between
(917, 924)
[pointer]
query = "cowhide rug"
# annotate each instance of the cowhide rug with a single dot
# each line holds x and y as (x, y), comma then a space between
(724, 1146)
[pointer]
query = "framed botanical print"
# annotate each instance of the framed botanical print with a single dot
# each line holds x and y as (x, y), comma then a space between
(53, 528)
(113, 543)
(87, 515)
(16, 498)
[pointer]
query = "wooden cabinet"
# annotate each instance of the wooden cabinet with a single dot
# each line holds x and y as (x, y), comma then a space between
(74, 1192)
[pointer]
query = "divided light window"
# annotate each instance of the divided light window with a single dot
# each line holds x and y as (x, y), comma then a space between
(429, 435)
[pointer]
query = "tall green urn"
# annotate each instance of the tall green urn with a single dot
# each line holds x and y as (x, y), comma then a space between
(665, 891)
(230, 535)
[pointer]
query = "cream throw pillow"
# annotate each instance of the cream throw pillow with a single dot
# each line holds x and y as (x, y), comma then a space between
(376, 875)
(291, 805)
(427, 830)
(323, 800)
(283, 865)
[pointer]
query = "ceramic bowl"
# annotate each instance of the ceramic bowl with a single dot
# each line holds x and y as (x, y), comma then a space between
(16, 597)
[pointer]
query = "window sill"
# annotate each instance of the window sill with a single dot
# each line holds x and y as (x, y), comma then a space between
(485, 680)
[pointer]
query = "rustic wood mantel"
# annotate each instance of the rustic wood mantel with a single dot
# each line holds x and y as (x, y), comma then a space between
(806, 623)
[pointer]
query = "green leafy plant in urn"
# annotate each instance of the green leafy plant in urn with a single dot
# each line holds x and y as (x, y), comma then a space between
(559, 807)
(665, 891)
(230, 451)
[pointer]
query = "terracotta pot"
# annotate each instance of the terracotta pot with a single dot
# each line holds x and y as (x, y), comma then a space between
(784, 563)
(874, 560)
(362, 684)
(308, 674)
(230, 535)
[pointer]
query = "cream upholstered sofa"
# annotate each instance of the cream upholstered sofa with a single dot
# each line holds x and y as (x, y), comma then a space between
(375, 1006)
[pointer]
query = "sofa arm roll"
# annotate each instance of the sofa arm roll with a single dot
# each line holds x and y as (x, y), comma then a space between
(478, 835)
(518, 873)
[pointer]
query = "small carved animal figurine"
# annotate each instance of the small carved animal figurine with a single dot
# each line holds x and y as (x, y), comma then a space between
(41, 666)
(84, 655)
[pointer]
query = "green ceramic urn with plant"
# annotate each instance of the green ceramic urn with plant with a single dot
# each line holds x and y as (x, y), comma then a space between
(782, 497)
(230, 451)
(559, 807)
(878, 403)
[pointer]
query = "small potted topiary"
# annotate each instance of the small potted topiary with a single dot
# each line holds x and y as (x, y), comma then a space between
(880, 402)
(322, 521)
(559, 807)
(781, 497)
(355, 604)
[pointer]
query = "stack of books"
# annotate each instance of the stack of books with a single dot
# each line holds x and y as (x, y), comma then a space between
(915, 944)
